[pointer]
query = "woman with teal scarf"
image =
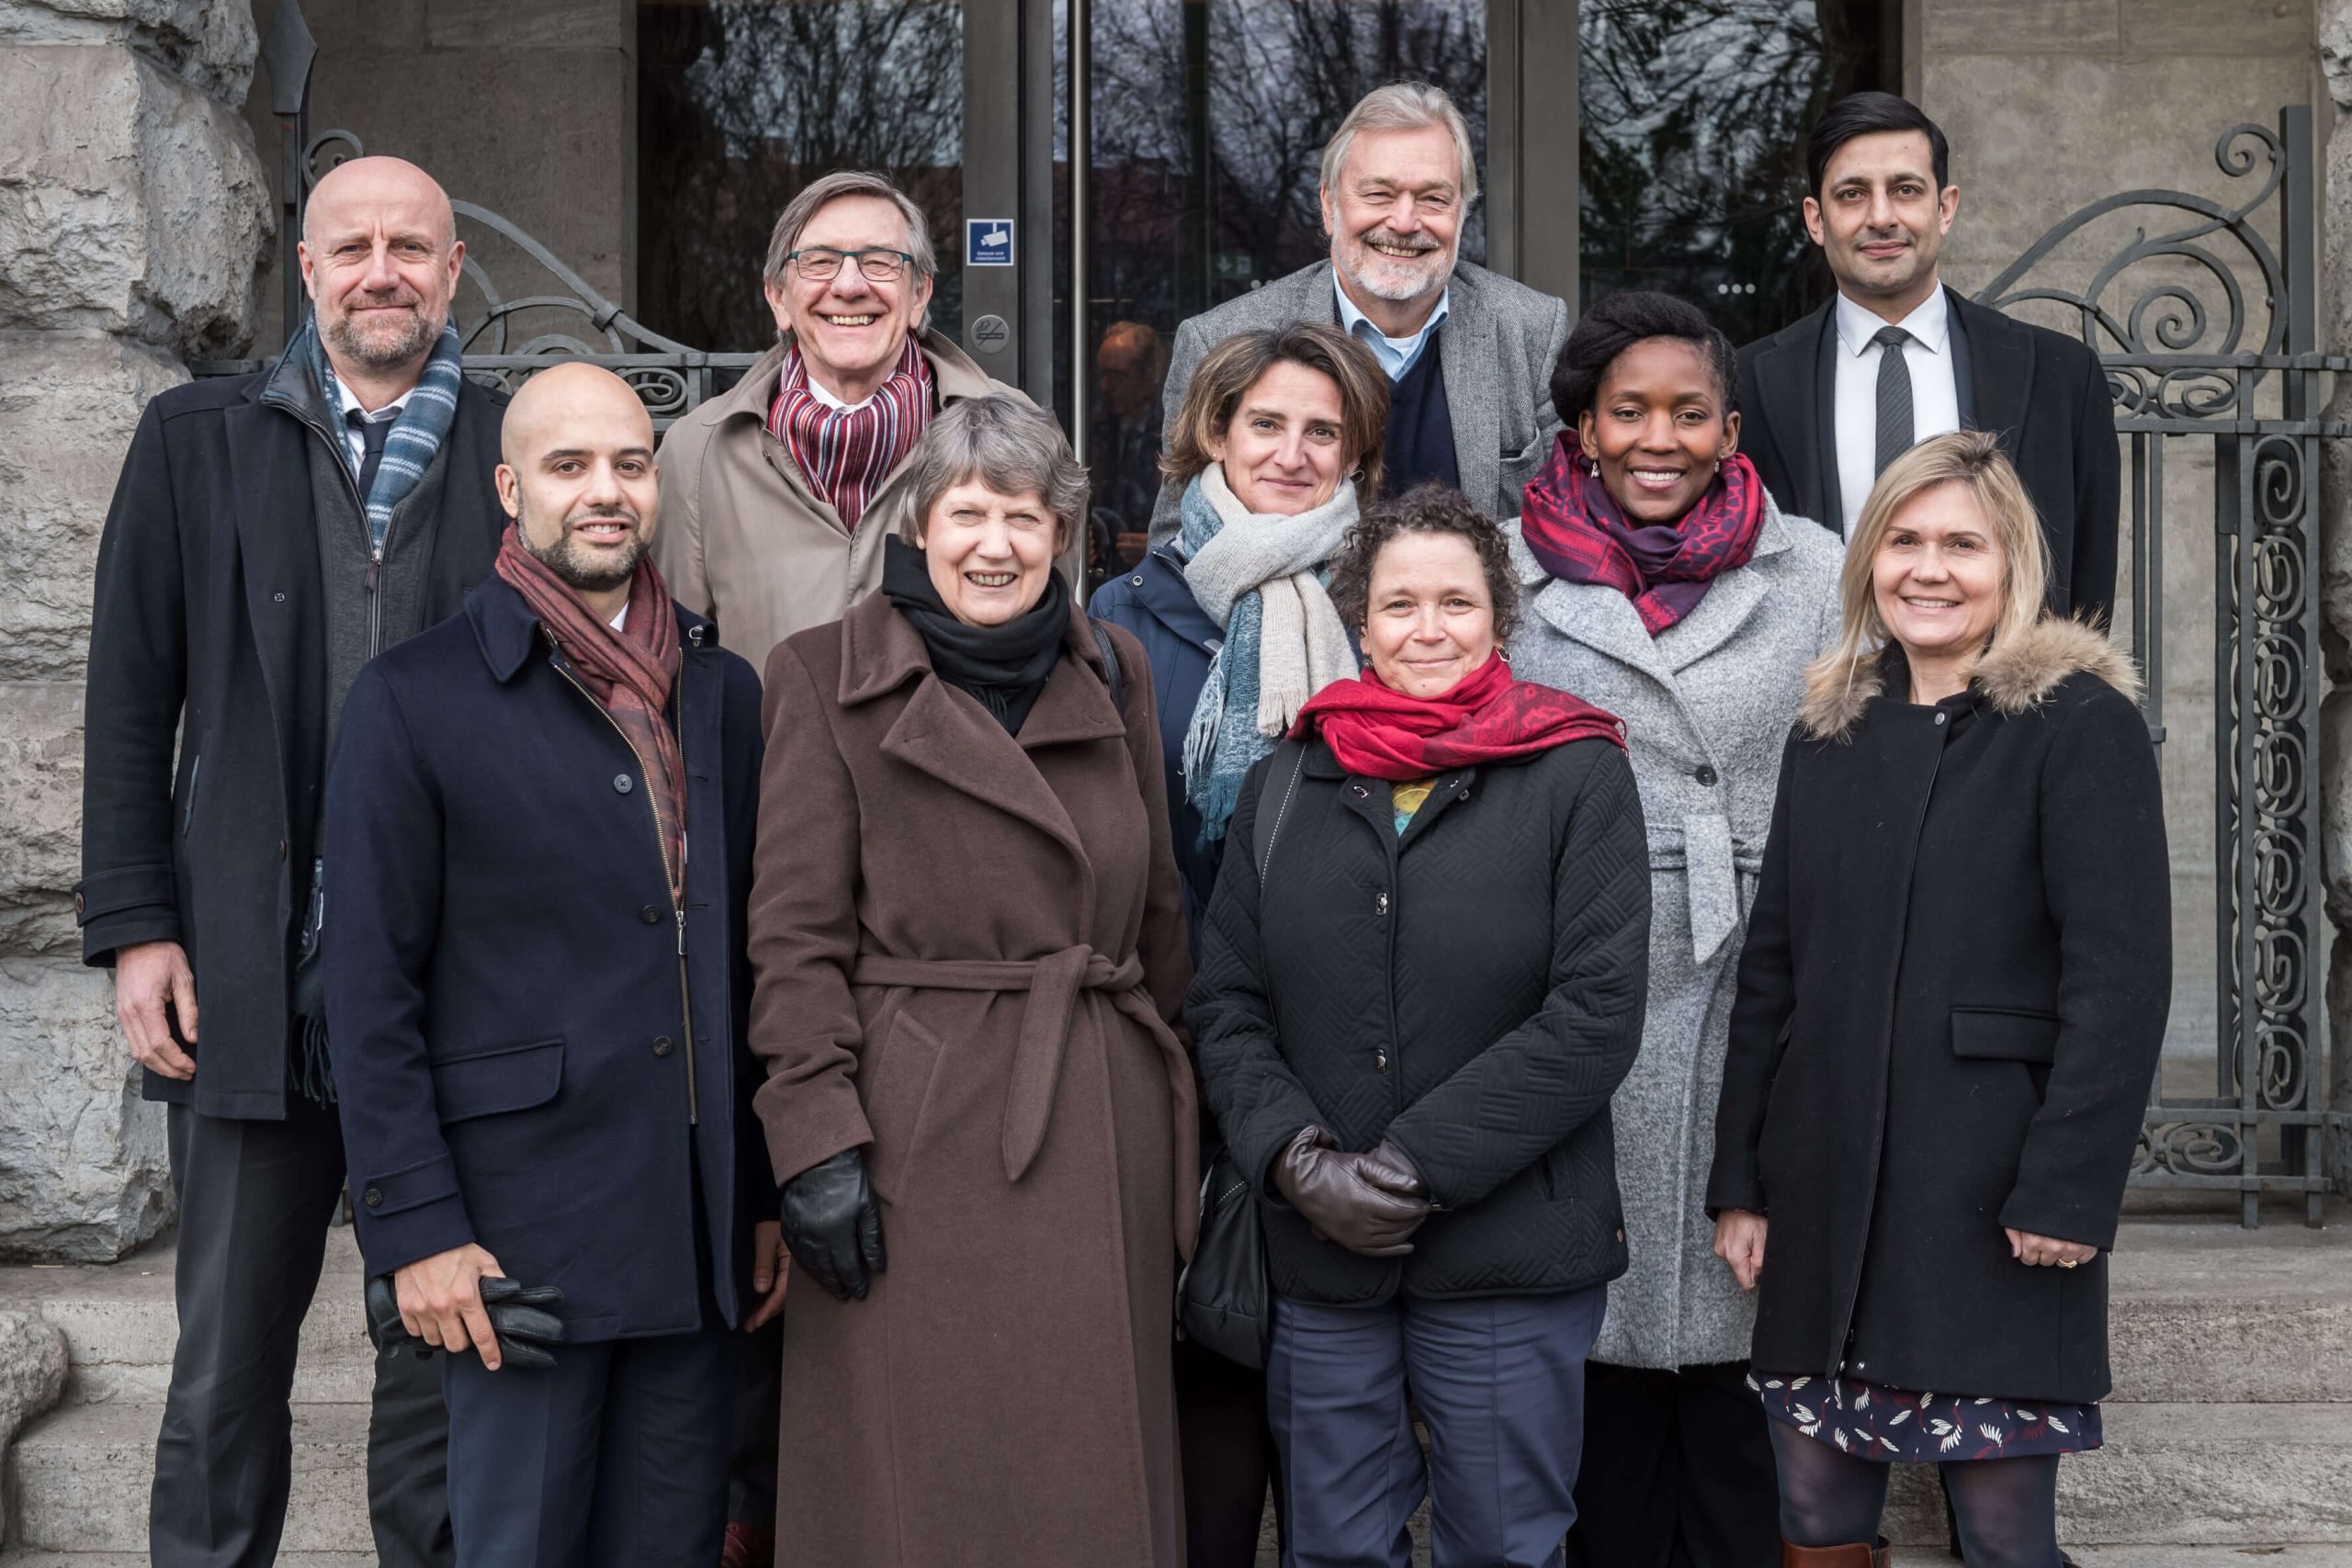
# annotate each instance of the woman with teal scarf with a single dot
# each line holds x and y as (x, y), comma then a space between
(1277, 445)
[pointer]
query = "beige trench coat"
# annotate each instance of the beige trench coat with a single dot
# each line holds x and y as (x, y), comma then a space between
(970, 959)
(745, 541)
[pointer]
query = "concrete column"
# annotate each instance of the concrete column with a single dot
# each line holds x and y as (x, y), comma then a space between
(133, 216)
(2335, 564)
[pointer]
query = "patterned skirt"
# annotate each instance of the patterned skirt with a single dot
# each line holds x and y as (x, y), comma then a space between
(1896, 1425)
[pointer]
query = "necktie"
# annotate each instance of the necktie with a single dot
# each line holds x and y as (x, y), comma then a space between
(1893, 397)
(372, 434)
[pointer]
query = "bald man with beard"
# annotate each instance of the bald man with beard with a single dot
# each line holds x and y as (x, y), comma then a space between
(269, 534)
(535, 1001)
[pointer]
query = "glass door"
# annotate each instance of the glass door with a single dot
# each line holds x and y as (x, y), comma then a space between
(743, 102)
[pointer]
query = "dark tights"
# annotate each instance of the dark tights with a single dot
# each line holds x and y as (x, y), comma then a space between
(2008, 1508)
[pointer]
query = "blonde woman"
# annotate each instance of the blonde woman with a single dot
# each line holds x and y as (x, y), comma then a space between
(1950, 1002)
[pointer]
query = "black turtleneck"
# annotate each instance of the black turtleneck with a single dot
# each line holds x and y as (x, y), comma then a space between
(1005, 667)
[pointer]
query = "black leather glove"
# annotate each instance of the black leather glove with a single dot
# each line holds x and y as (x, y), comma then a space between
(832, 1224)
(1369, 1204)
(521, 1316)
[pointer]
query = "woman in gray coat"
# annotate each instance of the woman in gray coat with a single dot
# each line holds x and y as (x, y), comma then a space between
(1665, 586)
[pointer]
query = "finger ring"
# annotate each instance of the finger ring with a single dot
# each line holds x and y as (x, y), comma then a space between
(2067, 1262)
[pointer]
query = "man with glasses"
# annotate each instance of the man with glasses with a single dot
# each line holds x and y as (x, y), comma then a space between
(779, 495)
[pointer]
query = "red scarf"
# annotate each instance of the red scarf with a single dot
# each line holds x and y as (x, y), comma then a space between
(1575, 531)
(845, 454)
(1489, 716)
(630, 672)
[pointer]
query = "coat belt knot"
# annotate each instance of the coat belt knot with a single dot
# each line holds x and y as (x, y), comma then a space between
(1053, 984)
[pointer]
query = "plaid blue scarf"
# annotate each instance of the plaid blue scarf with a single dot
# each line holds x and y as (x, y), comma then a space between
(416, 435)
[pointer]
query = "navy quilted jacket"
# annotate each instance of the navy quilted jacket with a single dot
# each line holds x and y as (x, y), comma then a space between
(1472, 991)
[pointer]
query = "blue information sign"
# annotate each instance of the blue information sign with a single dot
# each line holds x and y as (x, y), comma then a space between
(987, 241)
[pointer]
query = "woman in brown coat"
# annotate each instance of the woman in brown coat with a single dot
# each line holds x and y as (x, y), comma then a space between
(970, 959)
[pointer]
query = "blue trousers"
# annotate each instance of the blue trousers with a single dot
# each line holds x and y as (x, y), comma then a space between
(616, 1455)
(1499, 1382)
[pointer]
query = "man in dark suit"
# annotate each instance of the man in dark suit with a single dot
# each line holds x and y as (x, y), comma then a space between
(269, 534)
(536, 1003)
(1895, 357)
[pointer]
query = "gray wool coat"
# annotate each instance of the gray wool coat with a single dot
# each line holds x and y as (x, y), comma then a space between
(1707, 707)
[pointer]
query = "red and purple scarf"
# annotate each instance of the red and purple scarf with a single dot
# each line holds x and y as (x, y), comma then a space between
(847, 453)
(1489, 717)
(629, 670)
(1575, 531)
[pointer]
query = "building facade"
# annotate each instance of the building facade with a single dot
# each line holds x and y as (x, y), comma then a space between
(644, 146)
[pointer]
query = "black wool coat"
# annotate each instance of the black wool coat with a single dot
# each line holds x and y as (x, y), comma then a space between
(2043, 393)
(531, 1050)
(205, 728)
(1472, 992)
(1950, 1005)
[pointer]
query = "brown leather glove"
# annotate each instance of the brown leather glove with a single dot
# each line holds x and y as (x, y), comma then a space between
(1369, 1204)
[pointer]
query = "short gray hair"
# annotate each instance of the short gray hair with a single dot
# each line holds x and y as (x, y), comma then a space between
(1402, 106)
(1009, 445)
(833, 188)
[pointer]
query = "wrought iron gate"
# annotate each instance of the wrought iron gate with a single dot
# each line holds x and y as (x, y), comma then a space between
(2216, 354)
(2208, 328)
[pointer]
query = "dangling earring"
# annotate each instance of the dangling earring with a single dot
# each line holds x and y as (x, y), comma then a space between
(1592, 466)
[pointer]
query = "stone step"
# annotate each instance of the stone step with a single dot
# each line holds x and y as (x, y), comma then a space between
(2186, 1475)
(2201, 1311)
(78, 1478)
(120, 1323)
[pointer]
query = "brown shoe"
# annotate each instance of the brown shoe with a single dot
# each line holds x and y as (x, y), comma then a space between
(1855, 1556)
(747, 1546)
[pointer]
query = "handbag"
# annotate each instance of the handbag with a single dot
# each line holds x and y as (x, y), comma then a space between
(1222, 1299)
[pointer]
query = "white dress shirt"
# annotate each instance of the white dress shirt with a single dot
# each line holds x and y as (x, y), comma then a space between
(1396, 355)
(354, 446)
(1935, 390)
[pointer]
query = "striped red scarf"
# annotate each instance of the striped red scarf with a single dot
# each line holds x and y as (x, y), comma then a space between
(847, 453)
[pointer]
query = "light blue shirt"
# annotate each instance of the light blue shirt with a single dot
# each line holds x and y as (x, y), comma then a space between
(1396, 355)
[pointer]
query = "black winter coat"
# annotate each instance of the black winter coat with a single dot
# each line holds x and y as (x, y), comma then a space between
(1950, 1005)
(522, 1057)
(1472, 992)
(204, 739)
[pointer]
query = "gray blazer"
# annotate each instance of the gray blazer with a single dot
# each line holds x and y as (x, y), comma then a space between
(1707, 705)
(1496, 351)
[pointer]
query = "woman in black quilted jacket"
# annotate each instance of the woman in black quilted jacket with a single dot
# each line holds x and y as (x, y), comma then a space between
(1421, 977)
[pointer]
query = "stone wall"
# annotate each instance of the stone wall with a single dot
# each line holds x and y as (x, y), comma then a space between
(133, 216)
(2336, 579)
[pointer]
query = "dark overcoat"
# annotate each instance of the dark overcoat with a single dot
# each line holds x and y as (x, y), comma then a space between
(1179, 640)
(534, 1049)
(2043, 393)
(1950, 1004)
(1472, 991)
(205, 729)
(970, 958)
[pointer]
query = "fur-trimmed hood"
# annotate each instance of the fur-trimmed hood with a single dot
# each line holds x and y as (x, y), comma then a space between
(2012, 677)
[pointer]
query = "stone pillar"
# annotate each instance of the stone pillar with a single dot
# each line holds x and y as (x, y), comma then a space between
(2335, 569)
(133, 216)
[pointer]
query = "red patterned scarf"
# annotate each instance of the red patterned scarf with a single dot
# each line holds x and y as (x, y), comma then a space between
(1489, 716)
(630, 672)
(1575, 531)
(847, 453)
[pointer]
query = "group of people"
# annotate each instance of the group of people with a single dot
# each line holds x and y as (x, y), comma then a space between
(1549, 807)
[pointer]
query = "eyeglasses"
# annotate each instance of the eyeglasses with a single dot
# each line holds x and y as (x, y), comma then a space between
(821, 265)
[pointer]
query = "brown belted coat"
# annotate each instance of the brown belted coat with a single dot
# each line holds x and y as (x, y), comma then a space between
(970, 958)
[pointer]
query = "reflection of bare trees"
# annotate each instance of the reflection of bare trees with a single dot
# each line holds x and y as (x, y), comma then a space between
(743, 102)
(1692, 162)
